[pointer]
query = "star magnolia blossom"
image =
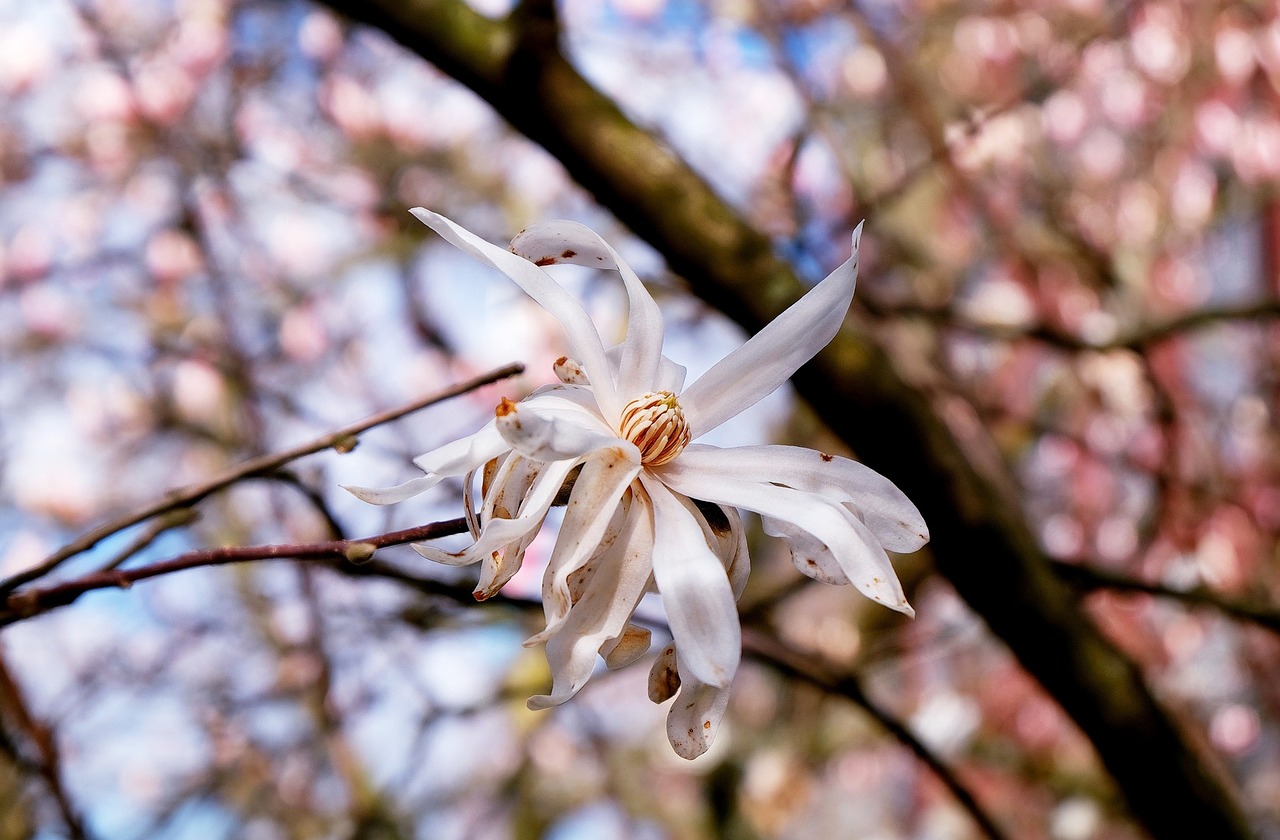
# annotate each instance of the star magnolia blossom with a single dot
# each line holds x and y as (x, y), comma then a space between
(649, 509)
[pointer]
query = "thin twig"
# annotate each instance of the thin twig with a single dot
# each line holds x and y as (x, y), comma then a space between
(343, 440)
(1090, 578)
(31, 602)
(779, 656)
(167, 521)
(1138, 338)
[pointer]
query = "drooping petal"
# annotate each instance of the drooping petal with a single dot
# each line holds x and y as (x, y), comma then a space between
(455, 458)
(596, 495)
(695, 589)
(569, 242)
(547, 432)
(604, 609)
(565, 308)
(885, 509)
(694, 717)
(849, 542)
(497, 533)
(757, 368)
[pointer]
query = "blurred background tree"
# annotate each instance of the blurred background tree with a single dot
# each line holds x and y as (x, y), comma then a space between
(1063, 348)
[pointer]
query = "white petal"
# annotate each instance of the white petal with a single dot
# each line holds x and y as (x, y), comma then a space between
(809, 555)
(461, 456)
(455, 458)
(547, 432)
(836, 529)
(391, 495)
(884, 508)
(670, 376)
(596, 494)
(570, 242)
(603, 611)
(497, 533)
(757, 368)
(695, 589)
(565, 308)
(694, 717)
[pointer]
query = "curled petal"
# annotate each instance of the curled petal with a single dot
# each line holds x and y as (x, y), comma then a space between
(507, 491)
(569, 242)
(734, 553)
(626, 648)
(757, 368)
(510, 486)
(602, 613)
(843, 537)
(596, 495)
(570, 372)
(546, 432)
(695, 589)
(885, 509)
(563, 306)
(723, 531)
(664, 677)
(694, 718)
(497, 533)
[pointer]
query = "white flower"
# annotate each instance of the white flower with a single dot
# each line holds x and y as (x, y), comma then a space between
(648, 509)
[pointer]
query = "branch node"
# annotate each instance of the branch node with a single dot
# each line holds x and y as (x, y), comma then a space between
(359, 552)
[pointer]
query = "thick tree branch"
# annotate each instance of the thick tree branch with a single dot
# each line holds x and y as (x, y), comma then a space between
(982, 542)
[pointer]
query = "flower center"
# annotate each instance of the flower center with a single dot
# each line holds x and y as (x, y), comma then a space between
(655, 423)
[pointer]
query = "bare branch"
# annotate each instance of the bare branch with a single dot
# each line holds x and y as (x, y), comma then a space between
(30, 602)
(343, 440)
(1138, 338)
(793, 664)
(13, 704)
(1090, 578)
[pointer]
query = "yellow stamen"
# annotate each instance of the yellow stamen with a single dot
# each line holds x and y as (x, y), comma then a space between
(655, 423)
